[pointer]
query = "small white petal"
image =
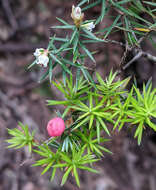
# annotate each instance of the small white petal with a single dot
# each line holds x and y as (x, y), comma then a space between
(43, 60)
(89, 26)
(77, 12)
(38, 52)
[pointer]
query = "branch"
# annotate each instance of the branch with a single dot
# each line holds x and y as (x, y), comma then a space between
(132, 60)
(149, 56)
(138, 55)
(115, 42)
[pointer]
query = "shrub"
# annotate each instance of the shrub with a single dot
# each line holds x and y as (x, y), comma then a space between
(91, 107)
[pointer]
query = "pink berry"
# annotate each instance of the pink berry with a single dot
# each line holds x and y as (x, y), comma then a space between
(56, 127)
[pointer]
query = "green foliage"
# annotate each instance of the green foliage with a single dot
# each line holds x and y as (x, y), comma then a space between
(130, 10)
(90, 111)
(21, 137)
(91, 143)
(70, 51)
(69, 47)
(109, 102)
(76, 160)
(142, 110)
(49, 159)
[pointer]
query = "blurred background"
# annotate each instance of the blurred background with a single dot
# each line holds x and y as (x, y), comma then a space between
(24, 26)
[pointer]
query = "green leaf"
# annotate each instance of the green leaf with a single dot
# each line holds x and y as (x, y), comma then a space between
(87, 52)
(55, 58)
(32, 64)
(91, 5)
(44, 76)
(47, 168)
(65, 176)
(98, 130)
(61, 39)
(150, 3)
(54, 102)
(76, 175)
(64, 27)
(91, 121)
(103, 9)
(92, 36)
(50, 71)
(53, 174)
(112, 26)
(74, 35)
(123, 2)
(75, 47)
(62, 65)
(88, 169)
(81, 123)
(82, 2)
(62, 21)
(103, 125)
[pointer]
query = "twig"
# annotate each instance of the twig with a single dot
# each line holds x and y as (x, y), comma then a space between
(138, 55)
(127, 48)
(123, 57)
(25, 161)
(142, 38)
(115, 42)
(132, 60)
(149, 56)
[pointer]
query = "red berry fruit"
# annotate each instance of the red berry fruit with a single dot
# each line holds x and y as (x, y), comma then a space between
(56, 127)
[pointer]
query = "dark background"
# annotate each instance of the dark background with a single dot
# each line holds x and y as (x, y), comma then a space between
(24, 26)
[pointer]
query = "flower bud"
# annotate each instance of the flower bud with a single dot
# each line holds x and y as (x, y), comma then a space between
(76, 12)
(56, 127)
(77, 15)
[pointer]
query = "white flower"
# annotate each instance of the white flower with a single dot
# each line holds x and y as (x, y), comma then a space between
(41, 57)
(89, 26)
(76, 11)
(43, 60)
(38, 52)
